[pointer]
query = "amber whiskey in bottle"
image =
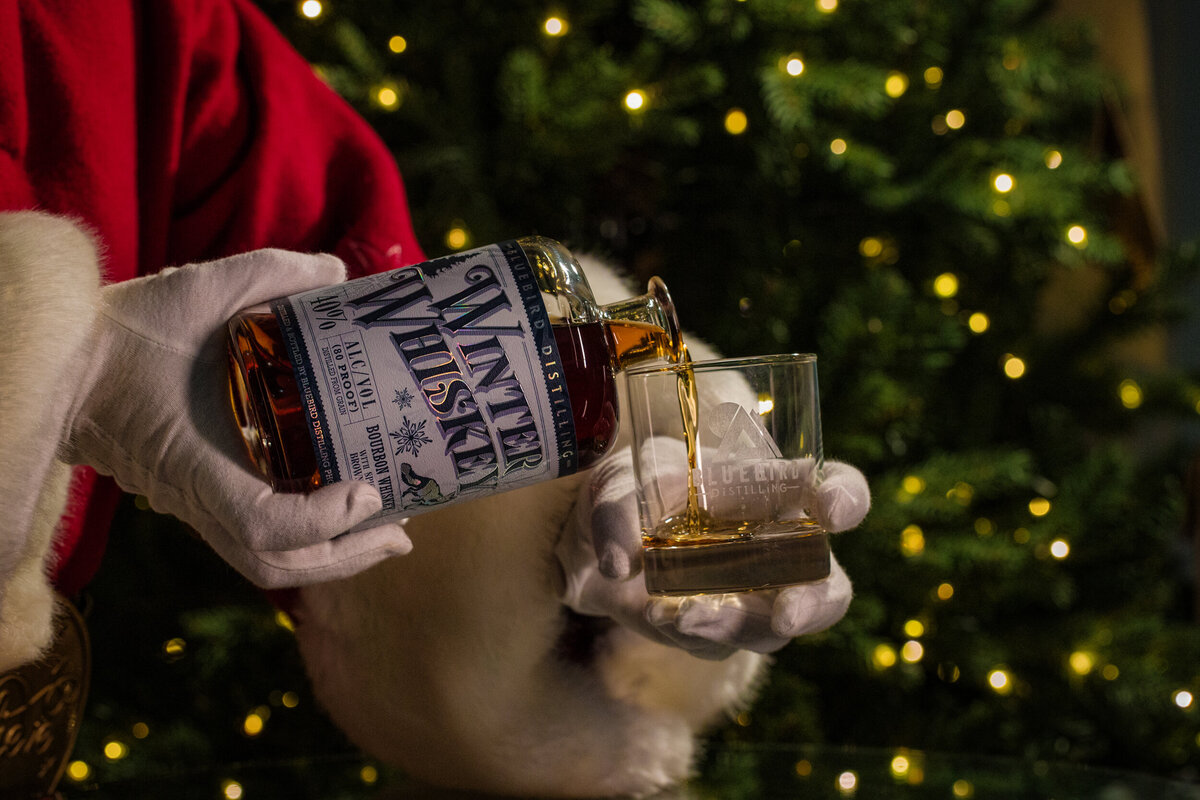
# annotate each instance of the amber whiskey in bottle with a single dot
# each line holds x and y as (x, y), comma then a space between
(467, 375)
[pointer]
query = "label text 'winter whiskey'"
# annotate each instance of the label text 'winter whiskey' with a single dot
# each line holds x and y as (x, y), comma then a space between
(432, 382)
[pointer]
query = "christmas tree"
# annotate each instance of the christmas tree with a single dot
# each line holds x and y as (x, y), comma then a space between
(928, 196)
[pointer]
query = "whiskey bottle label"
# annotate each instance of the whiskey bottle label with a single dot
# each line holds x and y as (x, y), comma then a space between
(434, 383)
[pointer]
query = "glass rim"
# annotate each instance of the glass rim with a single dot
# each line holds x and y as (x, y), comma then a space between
(715, 364)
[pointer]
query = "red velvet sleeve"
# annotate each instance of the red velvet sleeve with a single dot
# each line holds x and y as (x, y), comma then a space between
(259, 151)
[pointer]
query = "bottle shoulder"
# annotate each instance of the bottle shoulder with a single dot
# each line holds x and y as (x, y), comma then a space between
(565, 290)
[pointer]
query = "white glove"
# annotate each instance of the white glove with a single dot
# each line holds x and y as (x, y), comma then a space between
(153, 411)
(600, 553)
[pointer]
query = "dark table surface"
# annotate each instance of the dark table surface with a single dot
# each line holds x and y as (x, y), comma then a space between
(730, 773)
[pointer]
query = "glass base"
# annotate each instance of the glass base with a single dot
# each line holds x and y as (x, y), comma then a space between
(742, 565)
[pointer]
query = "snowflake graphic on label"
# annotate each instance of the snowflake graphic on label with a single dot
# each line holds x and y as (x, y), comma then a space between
(410, 437)
(403, 398)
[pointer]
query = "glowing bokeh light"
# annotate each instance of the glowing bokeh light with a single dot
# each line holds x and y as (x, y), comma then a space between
(896, 84)
(945, 285)
(736, 122)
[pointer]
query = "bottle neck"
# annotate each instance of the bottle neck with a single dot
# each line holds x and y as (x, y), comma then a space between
(645, 328)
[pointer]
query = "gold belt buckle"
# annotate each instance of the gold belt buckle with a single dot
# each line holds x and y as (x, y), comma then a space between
(41, 708)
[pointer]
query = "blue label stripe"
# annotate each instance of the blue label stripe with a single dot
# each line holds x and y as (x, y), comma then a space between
(319, 429)
(547, 352)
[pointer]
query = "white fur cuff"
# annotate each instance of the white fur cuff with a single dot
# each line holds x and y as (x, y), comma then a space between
(49, 290)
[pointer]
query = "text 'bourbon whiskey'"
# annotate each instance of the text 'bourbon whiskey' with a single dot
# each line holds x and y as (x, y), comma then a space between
(460, 377)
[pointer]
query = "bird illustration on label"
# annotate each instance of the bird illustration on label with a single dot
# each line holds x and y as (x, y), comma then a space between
(420, 489)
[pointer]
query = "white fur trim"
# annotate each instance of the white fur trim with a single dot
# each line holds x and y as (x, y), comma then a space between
(49, 289)
(448, 661)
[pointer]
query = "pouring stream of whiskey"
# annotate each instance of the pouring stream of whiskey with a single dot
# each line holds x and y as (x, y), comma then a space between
(689, 409)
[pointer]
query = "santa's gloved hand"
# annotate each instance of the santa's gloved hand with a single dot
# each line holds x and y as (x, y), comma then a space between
(153, 411)
(601, 555)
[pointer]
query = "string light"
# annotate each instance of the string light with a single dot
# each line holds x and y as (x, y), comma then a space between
(635, 100)
(870, 247)
(913, 484)
(1110, 672)
(140, 730)
(1182, 698)
(231, 790)
(804, 768)
(1000, 681)
(896, 84)
(736, 122)
(900, 765)
(914, 628)
(912, 651)
(883, 657)
(284, 621)
(115, 750)
(1060, 549)
(555, 26)
(793, 65)
(290, 700)
(933, 77)
(388, 97)
(912, 541)
(978, 322)
(457, 237)
(847, 782)
(1004, 183)
(79, 771)
(945, 285)
(368, 775)
(1039, 506)
(955, 119)
(397, 44)
(1082, 662)
(984, 527)
(962, 788)
(1077, 235)
(838, 147)
(962, 493)
(944, 591)
(827, 6)
(1054, 159)
(1130, 393)
(255, 721)
(311, 9)
(173, 649)
(1014, 367)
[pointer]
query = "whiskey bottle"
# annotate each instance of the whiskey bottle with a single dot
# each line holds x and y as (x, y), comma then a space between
(467, 375)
